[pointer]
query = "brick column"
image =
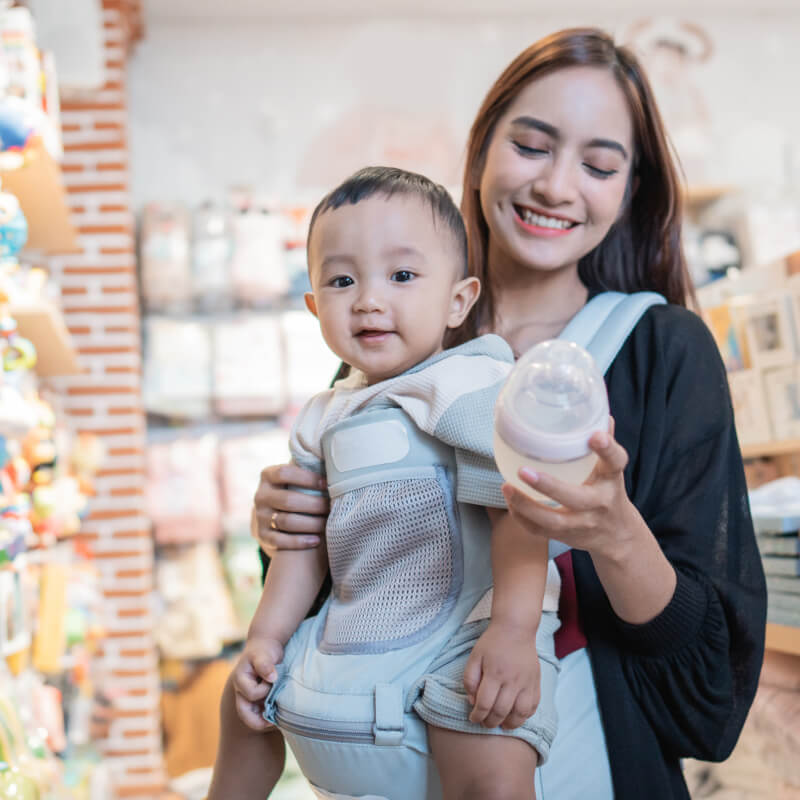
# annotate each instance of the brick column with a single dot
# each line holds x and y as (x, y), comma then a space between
(99, 294)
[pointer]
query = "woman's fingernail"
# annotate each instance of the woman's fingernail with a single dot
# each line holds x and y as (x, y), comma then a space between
(311, 540)
(530, 475)
(323, 484)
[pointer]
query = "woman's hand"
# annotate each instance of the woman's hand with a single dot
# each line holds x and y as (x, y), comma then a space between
(597, 516)
(284, 518)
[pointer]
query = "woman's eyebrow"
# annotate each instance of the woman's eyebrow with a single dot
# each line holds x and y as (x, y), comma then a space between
(550, 130)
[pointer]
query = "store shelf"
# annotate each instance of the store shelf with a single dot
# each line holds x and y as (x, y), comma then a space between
(783, 639)
(44, 325)
(40, 191)
(698, 198)
(767, 449)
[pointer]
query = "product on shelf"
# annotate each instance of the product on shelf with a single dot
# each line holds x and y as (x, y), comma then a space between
(166, 279)
(212, 248)
(196, 618)
(181, 493)
(258, 269)
(177, 367)
(248, 370)
(241, 460)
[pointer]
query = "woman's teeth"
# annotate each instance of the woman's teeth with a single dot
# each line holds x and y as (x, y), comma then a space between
(541, 221)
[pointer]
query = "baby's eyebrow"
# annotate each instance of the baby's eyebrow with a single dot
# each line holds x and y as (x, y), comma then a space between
(336, 258)
(403, 250)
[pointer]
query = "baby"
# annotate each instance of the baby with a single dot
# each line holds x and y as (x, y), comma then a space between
(417, 534)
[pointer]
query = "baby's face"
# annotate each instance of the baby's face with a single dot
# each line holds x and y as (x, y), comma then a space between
(384, 274)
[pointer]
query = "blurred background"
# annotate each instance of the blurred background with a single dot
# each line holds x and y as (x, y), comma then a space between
(158, 164)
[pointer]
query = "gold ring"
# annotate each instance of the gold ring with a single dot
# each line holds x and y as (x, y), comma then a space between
(272, 522)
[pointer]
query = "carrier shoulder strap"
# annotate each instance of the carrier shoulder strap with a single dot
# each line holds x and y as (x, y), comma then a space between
(603, 325)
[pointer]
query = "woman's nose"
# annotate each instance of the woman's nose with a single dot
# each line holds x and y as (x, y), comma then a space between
(557, 183)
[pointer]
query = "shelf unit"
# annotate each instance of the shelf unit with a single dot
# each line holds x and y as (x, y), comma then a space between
(44, 325)
(43, 199)
(769, 449)
(783, 639)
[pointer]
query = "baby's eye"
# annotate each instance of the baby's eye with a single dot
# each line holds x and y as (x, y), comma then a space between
(403, 275)
(341, 281)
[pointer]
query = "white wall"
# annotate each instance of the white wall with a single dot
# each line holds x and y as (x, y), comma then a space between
(250, 100)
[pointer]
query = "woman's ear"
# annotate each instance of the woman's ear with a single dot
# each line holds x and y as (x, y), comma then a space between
(464, 294)
(311, 303)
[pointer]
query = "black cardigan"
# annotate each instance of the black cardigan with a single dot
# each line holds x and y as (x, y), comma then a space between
(682, 684)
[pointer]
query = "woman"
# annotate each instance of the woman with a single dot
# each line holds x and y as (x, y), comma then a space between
(569, 190)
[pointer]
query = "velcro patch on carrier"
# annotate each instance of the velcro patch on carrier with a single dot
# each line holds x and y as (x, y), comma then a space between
(370, 445)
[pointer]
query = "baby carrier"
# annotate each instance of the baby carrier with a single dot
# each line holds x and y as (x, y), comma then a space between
(350, 690)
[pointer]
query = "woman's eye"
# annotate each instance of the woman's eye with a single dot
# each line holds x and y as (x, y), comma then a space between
(403, 275)
(529, 151)
(341, 281)
(600, 173)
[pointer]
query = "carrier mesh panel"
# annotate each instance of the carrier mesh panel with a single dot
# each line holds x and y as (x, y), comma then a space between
(391, 548)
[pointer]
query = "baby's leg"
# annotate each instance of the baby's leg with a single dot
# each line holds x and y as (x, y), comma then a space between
(483, 767)
(248, 763)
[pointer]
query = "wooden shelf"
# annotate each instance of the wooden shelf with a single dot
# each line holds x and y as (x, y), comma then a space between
(44, 325)
(767, 449)
(40, 191)
(698, 198)
(783, 639)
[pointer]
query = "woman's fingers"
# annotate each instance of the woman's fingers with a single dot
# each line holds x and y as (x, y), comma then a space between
(273, 498)
(612, 456)
(570, 495)
(282, 521)
(291, 474)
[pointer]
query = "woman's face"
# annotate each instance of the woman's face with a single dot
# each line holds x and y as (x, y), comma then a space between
(556, 169)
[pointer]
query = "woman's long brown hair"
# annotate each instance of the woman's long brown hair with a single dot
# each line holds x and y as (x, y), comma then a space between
(642, 251)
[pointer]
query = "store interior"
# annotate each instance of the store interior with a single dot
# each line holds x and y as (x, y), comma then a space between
(159, 161)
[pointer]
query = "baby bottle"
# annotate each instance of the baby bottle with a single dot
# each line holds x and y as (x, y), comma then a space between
(552, 402)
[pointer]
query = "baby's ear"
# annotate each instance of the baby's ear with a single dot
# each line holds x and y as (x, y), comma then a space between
(464, 294)
(311, 303)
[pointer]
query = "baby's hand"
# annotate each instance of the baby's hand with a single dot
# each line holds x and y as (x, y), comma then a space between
(502, 676)
(253, 675)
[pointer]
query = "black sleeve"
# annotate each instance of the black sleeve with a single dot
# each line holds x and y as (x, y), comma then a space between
(694, 668)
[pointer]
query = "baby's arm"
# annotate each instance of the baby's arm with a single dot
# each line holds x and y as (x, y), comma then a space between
(293, 580)
(502, 674)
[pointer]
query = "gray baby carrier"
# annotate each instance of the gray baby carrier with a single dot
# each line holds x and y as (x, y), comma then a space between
(350, 689)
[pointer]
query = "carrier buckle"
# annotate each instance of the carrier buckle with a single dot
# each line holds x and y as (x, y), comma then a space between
(389, 728)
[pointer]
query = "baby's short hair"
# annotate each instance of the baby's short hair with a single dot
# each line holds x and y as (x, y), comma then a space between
(389, 181)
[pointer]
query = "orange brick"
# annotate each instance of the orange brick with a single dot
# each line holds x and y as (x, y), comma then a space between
(126, 635)
(136, 734)
(79, 330)
(66, 291)
(111, 473)
(94, 188)
(117, 251)
(98, 516)
(100, 390)
(129, 613)
(118, 594)
(112, 431)
(106, 351)
(148, 791)
(89, 229)
(117, 289)
(102, 310)
(134, 573)
(131, 534)
(111, 167)
(80, 412)
(91, 147)
(132, 492)
(66, 168)
(130, 673)
(126, 451)
(99, 270)
(113, 208)
(122, 371)
(114, 410)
